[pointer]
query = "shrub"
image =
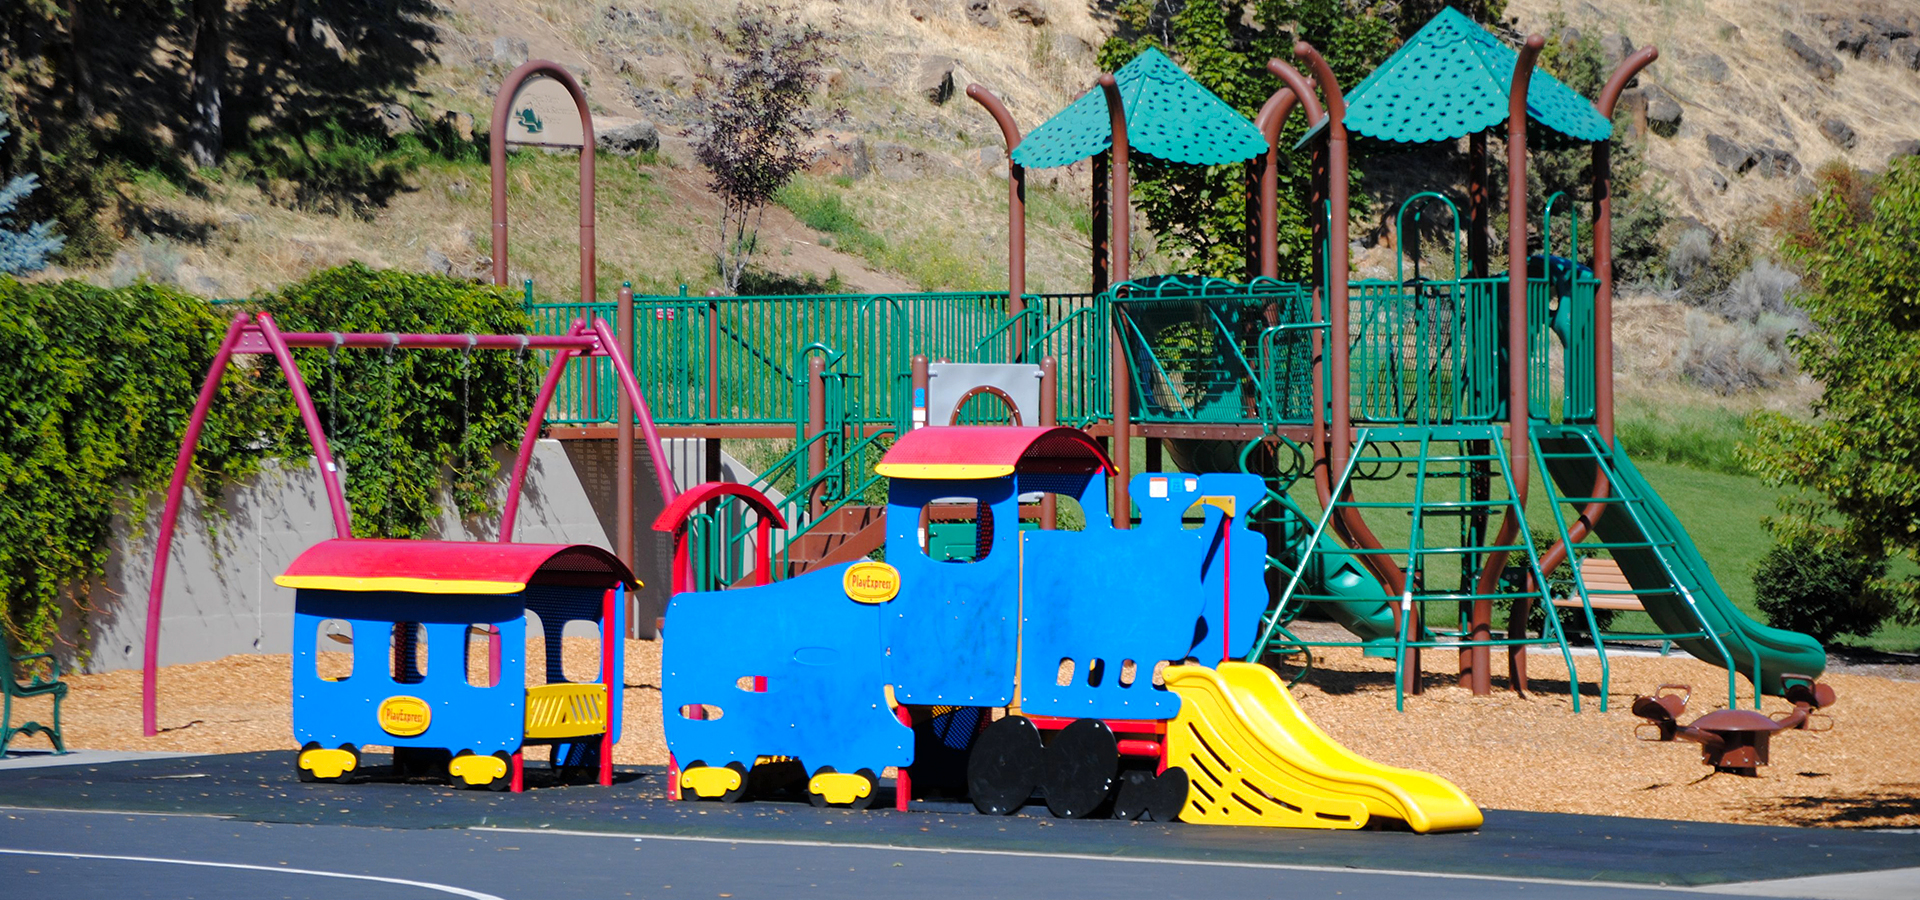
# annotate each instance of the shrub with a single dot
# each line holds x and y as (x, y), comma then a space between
(96, 385)
(1802, 586)
(23, 251)
(1729, 356)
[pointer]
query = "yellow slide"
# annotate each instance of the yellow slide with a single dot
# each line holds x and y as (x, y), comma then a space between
(1252, 758)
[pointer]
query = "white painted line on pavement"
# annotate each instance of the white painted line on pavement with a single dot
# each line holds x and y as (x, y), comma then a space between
(406, 882)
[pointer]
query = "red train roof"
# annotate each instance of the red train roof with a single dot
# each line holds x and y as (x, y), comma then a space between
(962, 452)
(451, 567)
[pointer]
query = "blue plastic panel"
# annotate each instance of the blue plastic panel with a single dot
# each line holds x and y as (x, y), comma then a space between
(820, 653)
(951, 634)
(464, 717)
(1152, 593)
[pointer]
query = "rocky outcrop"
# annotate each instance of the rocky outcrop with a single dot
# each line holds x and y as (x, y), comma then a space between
(1839, 133)
(1027, 12)
(934, 79)
(980, 12)
(1663, 111)
(1824, 65)
(625, 137)
(1729, 155)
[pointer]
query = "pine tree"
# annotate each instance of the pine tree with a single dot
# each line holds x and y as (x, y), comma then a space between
(23, 251)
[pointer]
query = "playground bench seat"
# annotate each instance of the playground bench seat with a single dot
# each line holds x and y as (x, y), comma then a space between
(1603, 575)
(44, 681)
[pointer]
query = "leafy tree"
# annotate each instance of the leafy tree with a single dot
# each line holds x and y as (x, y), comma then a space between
(23, 251)
(1200, 212)
(757, 121)
(1857, 241)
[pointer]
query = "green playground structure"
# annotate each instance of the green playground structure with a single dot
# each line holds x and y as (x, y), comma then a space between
(1401, 424)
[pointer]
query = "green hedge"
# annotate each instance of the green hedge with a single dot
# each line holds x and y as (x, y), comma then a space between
(96, 386)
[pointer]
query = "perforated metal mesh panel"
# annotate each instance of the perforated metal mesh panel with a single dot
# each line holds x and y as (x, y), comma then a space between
(1450, 80)
(1169, 116)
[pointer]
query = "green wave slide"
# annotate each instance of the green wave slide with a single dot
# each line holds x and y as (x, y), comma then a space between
(1657, 544)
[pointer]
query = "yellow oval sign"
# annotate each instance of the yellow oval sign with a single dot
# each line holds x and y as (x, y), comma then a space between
(405, 716)
(872, 582)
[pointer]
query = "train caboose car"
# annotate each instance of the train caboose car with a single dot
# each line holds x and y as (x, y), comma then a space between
(436, 661)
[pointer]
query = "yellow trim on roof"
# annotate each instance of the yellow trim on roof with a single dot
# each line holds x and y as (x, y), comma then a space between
(943, 471)
(402, 584)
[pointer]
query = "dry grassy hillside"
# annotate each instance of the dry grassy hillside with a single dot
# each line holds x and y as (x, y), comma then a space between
(1728, 66)
(916, 171)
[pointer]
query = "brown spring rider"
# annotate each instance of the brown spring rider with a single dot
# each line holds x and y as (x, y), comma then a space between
(1733, 740)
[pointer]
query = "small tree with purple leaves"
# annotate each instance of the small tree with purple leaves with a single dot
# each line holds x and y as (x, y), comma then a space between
(758, 119)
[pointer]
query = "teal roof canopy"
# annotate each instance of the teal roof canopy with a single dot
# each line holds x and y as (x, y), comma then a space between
(1169, 116)
(1450, 80)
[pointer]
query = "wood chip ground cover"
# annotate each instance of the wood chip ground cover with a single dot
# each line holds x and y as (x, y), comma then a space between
(1505, 751)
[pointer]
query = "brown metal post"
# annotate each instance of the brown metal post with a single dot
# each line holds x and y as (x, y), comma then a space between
(1296, 93)
(1478, 206)
(713, 357)
(1603, 243)
(1101, 226)
(1016, 215)
(816, 428)
(1518, 409)
(1049, 503)
(1589, 515)
(1122, 264)
(1352, 527)
(623, 439)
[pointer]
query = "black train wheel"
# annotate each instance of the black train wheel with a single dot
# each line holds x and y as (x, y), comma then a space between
(844, 793)
(1082, 765)
(1149, 797)
(1007, 763)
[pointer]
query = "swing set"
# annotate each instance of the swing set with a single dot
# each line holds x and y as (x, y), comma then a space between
(256, 333)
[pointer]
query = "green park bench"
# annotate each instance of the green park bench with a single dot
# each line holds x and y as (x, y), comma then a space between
(43, 680)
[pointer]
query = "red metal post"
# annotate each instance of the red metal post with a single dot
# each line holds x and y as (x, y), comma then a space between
(1049, 502)
(163, 547)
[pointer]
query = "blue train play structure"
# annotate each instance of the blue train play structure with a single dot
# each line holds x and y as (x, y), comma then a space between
(1048, 662)
(437, 637)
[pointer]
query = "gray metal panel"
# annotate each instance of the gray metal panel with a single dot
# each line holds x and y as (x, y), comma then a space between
(949, 383)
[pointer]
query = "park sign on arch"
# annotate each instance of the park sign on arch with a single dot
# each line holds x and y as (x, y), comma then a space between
(542, 114)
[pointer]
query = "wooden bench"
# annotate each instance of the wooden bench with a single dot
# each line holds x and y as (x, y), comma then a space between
(36, 685)
(1603, 575)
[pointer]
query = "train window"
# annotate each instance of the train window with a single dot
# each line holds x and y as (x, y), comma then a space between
(1127, 670)
(1160, 674)
(407, 649)
(752, 684)
(1096, 672)
(701, 712)
(333, 650)
(1064, 677)
(480, 641)
(956, 529)
(580, 651)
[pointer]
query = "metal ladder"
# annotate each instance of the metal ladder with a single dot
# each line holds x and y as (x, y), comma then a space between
(1417, 552)
(1619, 500)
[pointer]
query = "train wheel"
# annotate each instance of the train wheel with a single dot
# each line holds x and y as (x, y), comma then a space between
(727, 784)
(471, 770)
(1082, 764)
(318, 764)
(842, 790)
(1149, 797)
(1007, 763)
